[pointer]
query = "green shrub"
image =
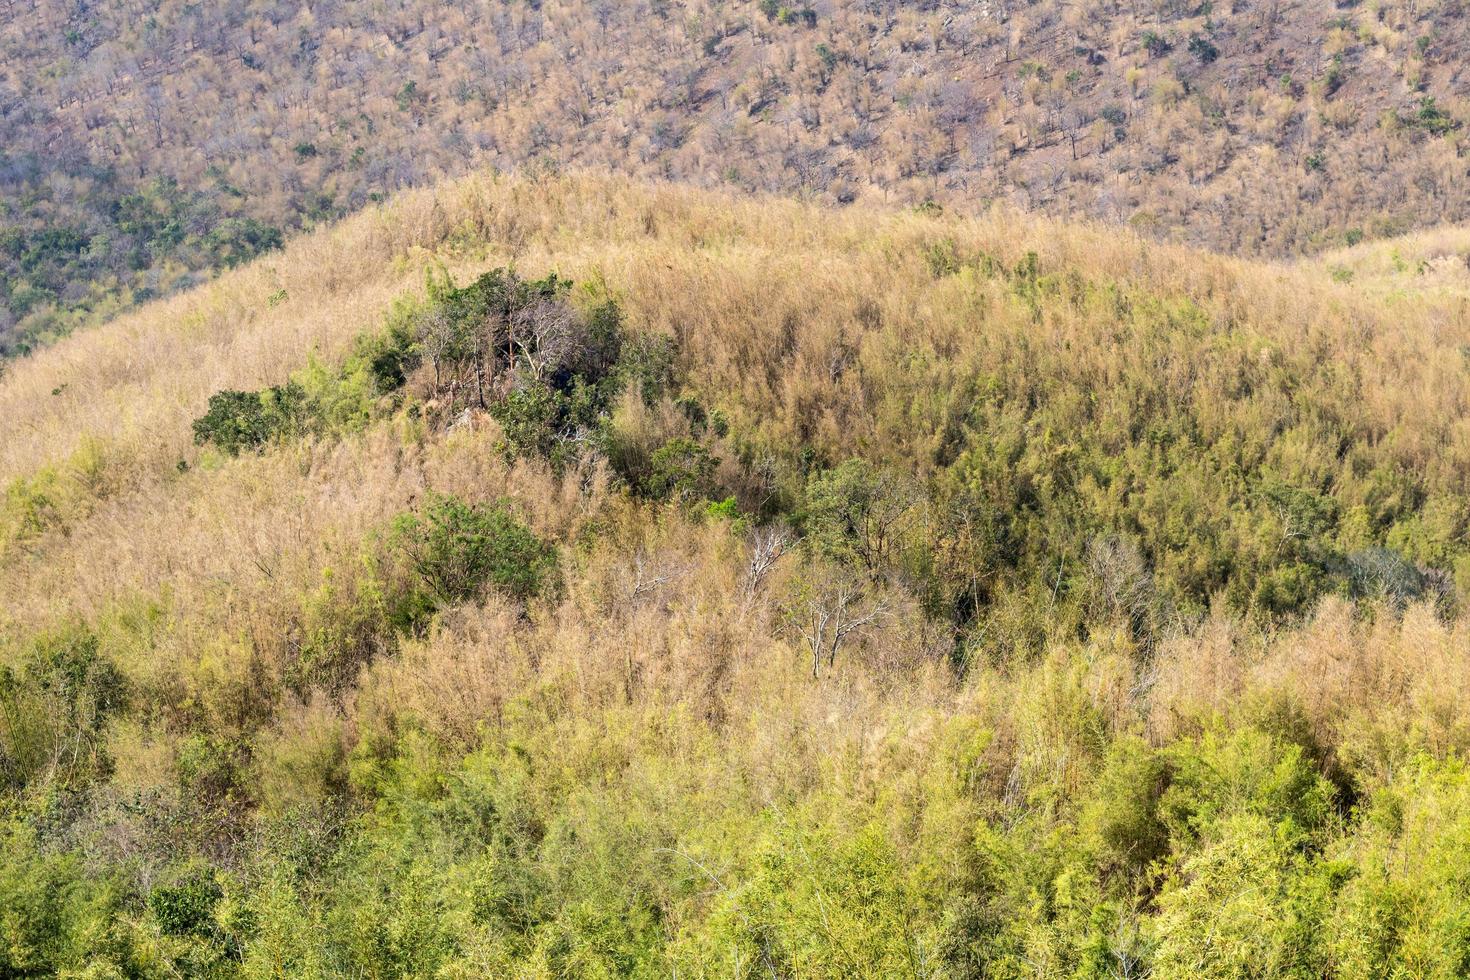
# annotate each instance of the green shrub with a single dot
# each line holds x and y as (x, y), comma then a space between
(454, 550)
(1156, 44)
(186, 907)
(1244, 772)
(1431, 118)
(681, 470)
(31, 506)
(860, 513)
(1203, 49)
(819, 902)
(1245, 904)
(54, 706)
(60, 918)
(238, 421)
(344, 624)
(317, 400)
(532, 420)
(646, 365)
(1120, 819)
(235, 241)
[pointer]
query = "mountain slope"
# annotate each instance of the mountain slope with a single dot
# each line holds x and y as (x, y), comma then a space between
(146, 145)
(862, 592)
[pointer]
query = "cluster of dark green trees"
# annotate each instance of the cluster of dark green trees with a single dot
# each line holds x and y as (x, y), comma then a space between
(124, 246)
(549, 373)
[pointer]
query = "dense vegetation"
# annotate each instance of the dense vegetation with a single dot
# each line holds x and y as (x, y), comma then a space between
(736, 587)
(143, 144)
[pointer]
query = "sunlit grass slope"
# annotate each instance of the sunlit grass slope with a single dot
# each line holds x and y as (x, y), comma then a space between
(1151, 561)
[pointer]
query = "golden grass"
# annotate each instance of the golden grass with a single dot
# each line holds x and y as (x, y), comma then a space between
(727, 274)
(228, 548)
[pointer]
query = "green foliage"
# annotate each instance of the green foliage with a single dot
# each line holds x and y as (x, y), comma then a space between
(408, 96)
(344, 623)
(682, 470)
(1402, 912)
(860, 513)
(646, 365)
(238, 421)
(723, 510)
(1120, 821)
(1249, 887)
(1246, 904)
(317, 400)
(238, 240)
(1336, 74)
(545, 370)
(532, 420)
(57, 919)
(1031, 458)
(1202, 48)
(1430, 118)
(941, 259)
(1156, 44)
(32, 505)
(454, 550)
(1247, 772)
(54, 706)
(140, 241)
(632, 783)
(821, 901)
(187, 906)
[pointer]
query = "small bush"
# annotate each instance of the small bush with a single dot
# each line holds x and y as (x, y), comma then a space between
(532, 420)
(454, 550)
(186, 907)
(1430, 118)
(859, 512)
(646, 365)
(237, 421)
(53, 709)
(1203, 49)
(317, 399)
(681, 469)
(1156, 44)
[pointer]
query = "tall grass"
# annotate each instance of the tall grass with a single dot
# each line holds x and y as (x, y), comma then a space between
(636, 772)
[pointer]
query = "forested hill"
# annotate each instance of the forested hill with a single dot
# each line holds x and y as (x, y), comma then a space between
(572, 577)
(145, 144)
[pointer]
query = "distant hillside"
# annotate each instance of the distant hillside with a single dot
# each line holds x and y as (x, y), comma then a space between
(574, 577)
(144, 145)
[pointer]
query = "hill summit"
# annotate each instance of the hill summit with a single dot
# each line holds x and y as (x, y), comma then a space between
(148, 144)
(573, 576)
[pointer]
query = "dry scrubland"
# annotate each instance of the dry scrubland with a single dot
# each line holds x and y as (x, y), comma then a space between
(145, 144)
(1161, 556)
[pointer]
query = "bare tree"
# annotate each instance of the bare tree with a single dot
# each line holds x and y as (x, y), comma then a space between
(1124, 583)
(649, 574)
(767, 546)
(836, 608)
(546, 334)
(438, 335)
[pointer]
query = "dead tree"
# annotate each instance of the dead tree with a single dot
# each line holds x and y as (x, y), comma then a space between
(834, 612)
(767, 546)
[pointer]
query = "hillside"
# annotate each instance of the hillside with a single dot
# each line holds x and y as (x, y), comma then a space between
(144, 145)
(818, 593)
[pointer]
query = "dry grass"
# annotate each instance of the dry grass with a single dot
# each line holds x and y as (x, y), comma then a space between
(229, 548)
(729, 275)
